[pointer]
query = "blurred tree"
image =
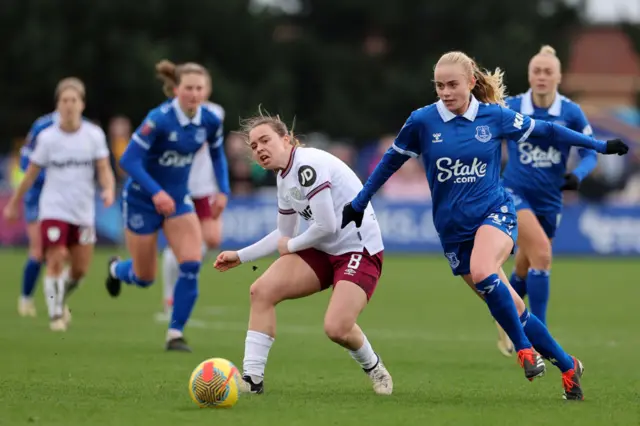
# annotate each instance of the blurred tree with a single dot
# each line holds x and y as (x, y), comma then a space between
(351, 68)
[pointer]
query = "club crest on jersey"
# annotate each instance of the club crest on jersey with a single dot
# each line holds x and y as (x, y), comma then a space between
(306, 176)
(147, 128)
(483, 134)
(454, 262)
(201, 135)
(437, 138)
(296, 194)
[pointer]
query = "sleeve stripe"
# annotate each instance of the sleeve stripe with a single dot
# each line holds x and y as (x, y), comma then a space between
(218, 143)
(528, 132)
(404, 152)
(317, 189)
(587, 130)
(286, 211)
(137, 139)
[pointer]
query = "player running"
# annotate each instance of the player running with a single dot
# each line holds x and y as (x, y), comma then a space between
(31, 272)
(536, 174)
(315, 185)
(72, 150)
(158, 160)
(208, 202)
(459, 138)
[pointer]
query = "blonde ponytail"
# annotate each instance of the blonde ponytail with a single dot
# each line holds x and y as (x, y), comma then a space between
(489, 86)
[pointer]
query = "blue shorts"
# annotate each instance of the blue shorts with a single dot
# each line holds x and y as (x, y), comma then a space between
(31, 211)
(459, 253)
(32, 204)
(550, 221)
(140, 215)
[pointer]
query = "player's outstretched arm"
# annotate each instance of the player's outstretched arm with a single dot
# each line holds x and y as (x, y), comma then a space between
(287, 226)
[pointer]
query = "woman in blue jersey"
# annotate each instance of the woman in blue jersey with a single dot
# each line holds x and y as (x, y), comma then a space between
(536, 174)
(158, 160)
(459, 140)
(31, 272)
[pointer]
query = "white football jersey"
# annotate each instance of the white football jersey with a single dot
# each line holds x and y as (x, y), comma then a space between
(69, 188)
(310, 171)
(202, 180)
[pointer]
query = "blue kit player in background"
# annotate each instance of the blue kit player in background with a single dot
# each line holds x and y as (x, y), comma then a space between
(536, 174)
(26, 305)
(158, 160)
(459, 139)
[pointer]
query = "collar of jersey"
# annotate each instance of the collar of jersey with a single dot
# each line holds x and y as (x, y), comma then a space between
(470, 114)
(182, 117)
(284, 172)
(526, 106)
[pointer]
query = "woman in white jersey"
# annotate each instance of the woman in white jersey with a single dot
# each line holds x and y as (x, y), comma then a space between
(72, 150)
(208, 202)
(315, 185)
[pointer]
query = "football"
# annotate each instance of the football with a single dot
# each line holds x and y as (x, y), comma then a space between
(214, 383)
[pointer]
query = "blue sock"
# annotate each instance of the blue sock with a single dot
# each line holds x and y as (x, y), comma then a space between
(538, 289)
(544, 343)
(519, 284)
(503, 309)
(185, 295)
(124, 272)
(30, 276)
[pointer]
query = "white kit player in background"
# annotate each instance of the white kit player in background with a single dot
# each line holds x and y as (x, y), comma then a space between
(315, 185)
(72, 150)
(208, 201)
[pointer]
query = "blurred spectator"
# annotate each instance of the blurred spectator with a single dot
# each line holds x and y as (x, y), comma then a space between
(119, 133)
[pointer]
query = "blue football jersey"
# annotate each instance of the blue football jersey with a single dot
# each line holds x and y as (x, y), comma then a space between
(170, 140)
(38, 126)
(536, 167)
(462, 159)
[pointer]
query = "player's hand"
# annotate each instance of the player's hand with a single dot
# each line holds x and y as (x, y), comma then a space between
(107, 196)
(164, 203)
(571, 182)
(349, 214)
(11, 211)
(616, 146)
(227, 260)
(283, 245)
(218, 205)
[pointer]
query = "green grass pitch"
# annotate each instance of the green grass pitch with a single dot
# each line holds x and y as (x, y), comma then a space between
(436, 338)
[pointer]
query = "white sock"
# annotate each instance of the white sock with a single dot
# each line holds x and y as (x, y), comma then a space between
(256, 352)
(205, 250)
(60, 290)
(50, 294)
(172, 333)
(170, 270)
(112, 269)
(365, 356)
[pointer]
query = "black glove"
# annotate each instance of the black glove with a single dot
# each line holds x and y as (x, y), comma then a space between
(571, 182)
(349, 214)
(616, 146)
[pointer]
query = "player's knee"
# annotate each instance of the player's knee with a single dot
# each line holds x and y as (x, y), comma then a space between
(56, 258)
(212, 240)
(337, 329)
(540, 256)
(480, 272)
(78, 272)
(259, 294)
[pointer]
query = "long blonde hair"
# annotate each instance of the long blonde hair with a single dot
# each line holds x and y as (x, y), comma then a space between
(489, 87)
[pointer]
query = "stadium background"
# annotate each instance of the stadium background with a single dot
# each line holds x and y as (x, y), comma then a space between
(350, 72)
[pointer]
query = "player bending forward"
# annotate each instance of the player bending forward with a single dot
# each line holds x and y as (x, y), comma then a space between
(315, 185)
